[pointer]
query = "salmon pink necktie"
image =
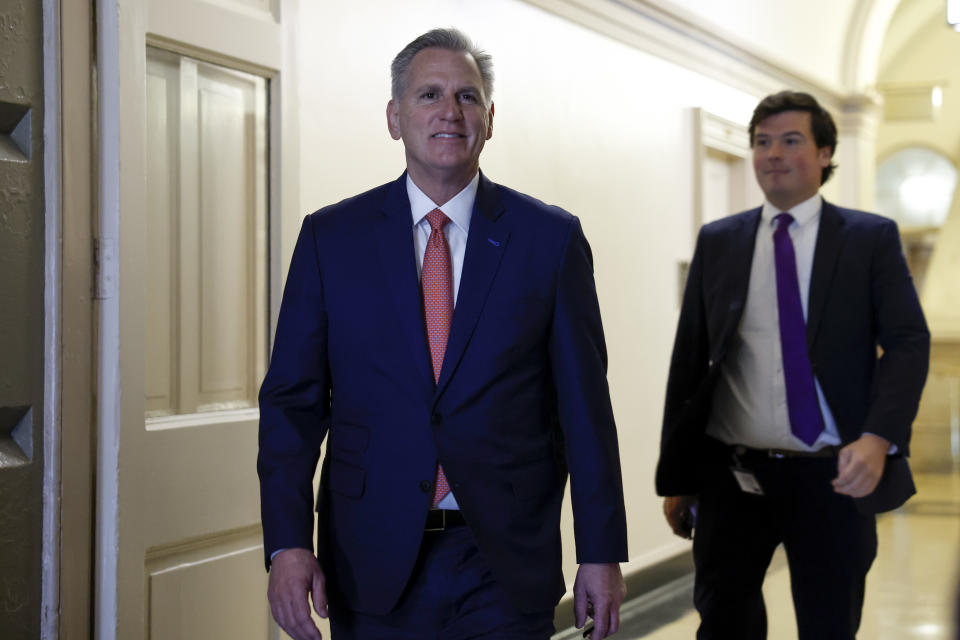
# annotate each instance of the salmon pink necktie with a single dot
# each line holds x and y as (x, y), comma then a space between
(806, 423)
(437, 283)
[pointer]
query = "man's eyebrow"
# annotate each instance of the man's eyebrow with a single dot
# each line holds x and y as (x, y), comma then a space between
(792, 132)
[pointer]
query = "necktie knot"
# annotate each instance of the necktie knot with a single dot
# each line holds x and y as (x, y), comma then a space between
(783, 221)
(437, 219)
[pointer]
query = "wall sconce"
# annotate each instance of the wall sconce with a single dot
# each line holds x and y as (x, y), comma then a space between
(953, 13)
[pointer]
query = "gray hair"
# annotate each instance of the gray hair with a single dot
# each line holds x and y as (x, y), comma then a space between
(449, 39)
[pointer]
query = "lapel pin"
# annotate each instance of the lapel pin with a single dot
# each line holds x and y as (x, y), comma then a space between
(493, 242)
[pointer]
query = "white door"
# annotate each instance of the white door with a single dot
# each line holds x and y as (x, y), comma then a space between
(206, 119)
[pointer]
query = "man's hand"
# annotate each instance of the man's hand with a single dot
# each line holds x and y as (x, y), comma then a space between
(677, 509)
(598, 592)
(294, 573)
(860, 465)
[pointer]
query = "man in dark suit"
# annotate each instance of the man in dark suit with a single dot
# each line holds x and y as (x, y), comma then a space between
(800, 355)
(442, 332)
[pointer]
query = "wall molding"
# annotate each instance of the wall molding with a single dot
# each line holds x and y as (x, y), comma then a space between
(50, 567)
(666, 31)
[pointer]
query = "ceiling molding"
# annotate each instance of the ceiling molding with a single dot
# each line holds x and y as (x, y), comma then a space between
(666, 31)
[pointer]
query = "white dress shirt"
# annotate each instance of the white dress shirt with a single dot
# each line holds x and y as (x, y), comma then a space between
(459, 209)
(750, 399)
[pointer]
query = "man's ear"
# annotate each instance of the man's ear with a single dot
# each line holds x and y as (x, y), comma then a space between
(393, 120)
(490, 123)
(824, 156)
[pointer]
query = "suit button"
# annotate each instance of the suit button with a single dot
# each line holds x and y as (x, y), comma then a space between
(435, 419)
(425, 486)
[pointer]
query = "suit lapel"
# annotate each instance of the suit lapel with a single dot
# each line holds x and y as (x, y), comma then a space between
(394, 238)
(735, 279)
(825, 253)
(486, 243)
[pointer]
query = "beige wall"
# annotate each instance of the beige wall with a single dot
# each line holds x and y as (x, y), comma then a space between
(925, 52)
(581, 121)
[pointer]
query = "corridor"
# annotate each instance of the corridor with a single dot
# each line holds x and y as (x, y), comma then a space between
(911, 587)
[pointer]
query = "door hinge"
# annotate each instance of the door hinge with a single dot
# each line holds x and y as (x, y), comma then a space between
(105, 267)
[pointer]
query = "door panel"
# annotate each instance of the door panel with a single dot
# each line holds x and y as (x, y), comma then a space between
(161, 276)
(206, 334)
(194, 591)
(200, 479)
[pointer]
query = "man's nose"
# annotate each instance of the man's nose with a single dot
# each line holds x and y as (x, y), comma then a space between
(451, 109)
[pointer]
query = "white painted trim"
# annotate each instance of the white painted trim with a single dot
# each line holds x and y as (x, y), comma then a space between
(50, 527)
(713, 132)
(190, 420)
(865, 38)
(275, 227)
(662, 29)
(108, 346)
(724, 135)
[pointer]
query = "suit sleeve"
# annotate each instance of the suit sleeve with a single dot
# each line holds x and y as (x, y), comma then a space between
(294, 405)
(904, 339)
(579, 364)
(686, 407)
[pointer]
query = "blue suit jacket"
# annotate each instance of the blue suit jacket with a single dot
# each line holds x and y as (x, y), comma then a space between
(522, 397)
(861, 297)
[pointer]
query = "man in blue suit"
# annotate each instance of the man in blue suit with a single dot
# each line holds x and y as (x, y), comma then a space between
(442, 333)
(800, 356)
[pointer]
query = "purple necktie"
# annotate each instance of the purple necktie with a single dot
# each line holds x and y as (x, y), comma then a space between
(806, 423)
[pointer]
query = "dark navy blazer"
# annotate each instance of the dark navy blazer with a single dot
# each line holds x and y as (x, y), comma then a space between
(522, 397)
(861, 297)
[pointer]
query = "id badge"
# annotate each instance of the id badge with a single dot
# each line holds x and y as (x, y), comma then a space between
(747, 480)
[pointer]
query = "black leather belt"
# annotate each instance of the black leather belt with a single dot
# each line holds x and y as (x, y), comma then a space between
(829, 451)
(443, 519)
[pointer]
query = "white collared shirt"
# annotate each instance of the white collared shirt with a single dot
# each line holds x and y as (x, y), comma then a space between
(750, 399)
(459, 209)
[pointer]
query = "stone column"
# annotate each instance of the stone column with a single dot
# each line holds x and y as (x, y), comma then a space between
(857, 125)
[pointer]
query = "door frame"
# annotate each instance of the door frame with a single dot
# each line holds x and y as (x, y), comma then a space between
(69, 424)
